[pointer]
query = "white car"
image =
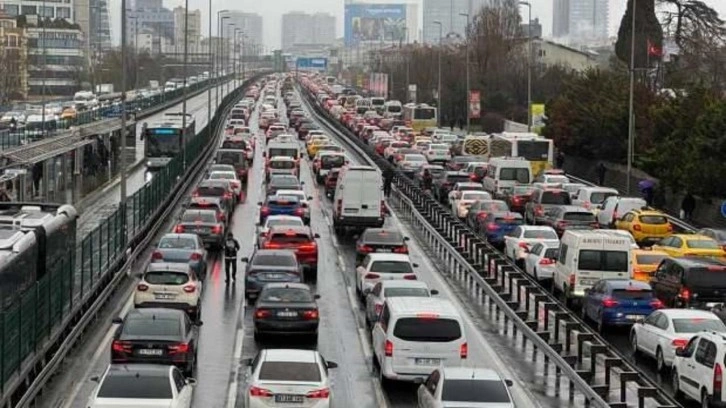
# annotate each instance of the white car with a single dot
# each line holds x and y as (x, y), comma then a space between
(142, 385)
(462, 186)
(592, 198)
(465, 387)
(393, 288)
(378, 267)
(278, 220)
(540, 260)
(665, 330)
(615, 207)
(553, 179)
(698, 369)
(460, 206)
(171, 285)
(523, 237)
(412, 162)
(288, 377)
(438, 152)
(228, 175)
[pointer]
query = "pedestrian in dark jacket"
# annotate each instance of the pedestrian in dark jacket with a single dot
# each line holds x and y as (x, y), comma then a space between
(601, 170)
(388, 175)
(688, 205)
(560, 159)
(231, 247)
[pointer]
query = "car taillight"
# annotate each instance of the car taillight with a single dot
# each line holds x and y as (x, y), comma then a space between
(371, 275)
(317, 394)
(339, 206)
(656, 304)
(637, 227)
(378, 308)
(685, 294)
(523, 245)
(157, 256)
(262, 313)
(679, 343)
(221, 216)
(259, 392)
(217, 229)
(492, 226)
(670, 227)
(388, 348)
(539, 210)
(271, 245)
(409, 276)
(227, 195)
(464, 350)
(311, 314)
(120, 346)
(308, 247)
(179, 348)
(179, 229)
(401, 250)
(473, 177)
(265, 210)
(196, 256)
(546, 261)
(572, 280)
(195, 193)
(609, 302)
(299, 212)
(481, 215)
(364, 249)
(717, 382)
(383, 208)
(516, 200)
(142, 287)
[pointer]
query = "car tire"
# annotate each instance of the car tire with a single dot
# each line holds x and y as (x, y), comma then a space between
(705, 399)
(660, 364)
(634, 344)
(675, 384)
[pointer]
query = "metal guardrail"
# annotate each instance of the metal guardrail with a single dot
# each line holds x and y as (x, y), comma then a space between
(35, 368)
(510, 296)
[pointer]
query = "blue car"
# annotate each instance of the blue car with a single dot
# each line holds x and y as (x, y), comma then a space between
(283, 205)
(618, 302)
(498, 224)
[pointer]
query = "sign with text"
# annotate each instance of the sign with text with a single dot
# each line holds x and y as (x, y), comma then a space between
(374, 23)
(319, 64)
(474, 104)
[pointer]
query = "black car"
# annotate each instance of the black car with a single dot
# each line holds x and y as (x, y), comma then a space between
(283, 182)
(689, 281)
(270, 266)
(156, 336)
(570, 217)
(286, 309)
(331, 181)
(443, 185)
(380, 240)
(480, 209)
(217, 188)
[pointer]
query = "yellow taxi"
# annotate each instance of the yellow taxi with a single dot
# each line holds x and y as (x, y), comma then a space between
(646, 226)
(690, 245)
(69, 113)
(645, 262)
(422, 139)
(313, 145)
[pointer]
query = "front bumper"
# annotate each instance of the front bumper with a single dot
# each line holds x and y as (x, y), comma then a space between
(348, 221)
(186, 307)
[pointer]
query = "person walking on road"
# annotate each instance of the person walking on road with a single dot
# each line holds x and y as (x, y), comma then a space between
(427, 180)
(388, 175)
(231, 247)
(560, 159)
(601, 170)
(687, 206)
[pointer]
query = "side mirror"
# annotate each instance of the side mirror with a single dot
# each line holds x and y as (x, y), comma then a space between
(415, 265)
(247, 362)
(264, 154)
(95, 378)
(302, 183)
(317, 296)
(259, 203)
(418, 381)
(245, 259)
(406, 238)
(331, 364)
(434, 292)
(310, 197)
(681, 352)
(198, 323)
(191, 381)
(117, 320)
(316, 235)
(509, 383)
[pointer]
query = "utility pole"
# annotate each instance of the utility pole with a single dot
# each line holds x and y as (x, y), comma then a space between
(631, 108)
(441, 50)
(211, 72)
(468, 84)
(184, 91)
(529, 65)
(123, 109)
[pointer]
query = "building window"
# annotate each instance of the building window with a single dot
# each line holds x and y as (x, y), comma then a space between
(29, 10)
(11, 9)
(63, 12)
(48, 12)
(12, 41)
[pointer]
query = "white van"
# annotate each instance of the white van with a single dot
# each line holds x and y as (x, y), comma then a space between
(506, 172)
(358, 199)
(588, 256)
(415, 335)
(592, 197)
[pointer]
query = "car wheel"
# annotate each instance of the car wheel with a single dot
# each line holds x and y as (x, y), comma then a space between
(675, 384)
(634, 344)
(659, 360)
(705, 399)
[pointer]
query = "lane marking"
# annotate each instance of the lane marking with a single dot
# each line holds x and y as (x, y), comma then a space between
(238, 349)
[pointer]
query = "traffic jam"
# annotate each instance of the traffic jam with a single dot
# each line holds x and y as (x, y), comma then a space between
(623, 265)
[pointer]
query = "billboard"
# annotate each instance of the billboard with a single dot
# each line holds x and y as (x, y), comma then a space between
(320, 64)
(378, 84)
(368, 23)
(538, 117)
(474, 104)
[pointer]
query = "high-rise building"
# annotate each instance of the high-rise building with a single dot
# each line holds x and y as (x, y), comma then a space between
(580, 21)
(99, 32)
(151, 15)
(193, 30)
(301, 30)
(251, 26)
(448, 13)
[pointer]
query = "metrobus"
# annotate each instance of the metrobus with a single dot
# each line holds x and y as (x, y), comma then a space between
(163, 139)
(530, 146)
(420, 116)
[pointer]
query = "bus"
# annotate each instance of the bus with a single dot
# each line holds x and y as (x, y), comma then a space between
(530, 146)
(163, 139)
(420, 116)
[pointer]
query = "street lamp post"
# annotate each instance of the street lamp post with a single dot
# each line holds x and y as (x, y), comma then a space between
(122, 163)
(441, 50)
(184, 91)
(211, 73)
(468, 84)
(228, 58)
(235, 55)
(631, 117)
(218, 57)
(529, 64)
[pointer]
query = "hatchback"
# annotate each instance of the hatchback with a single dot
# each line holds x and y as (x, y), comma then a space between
(298, 239)
(465, 387)
(217, 188)
(281, 205)
(618, 302)
(498, 224)
(270, 266)
(380, 267)
(283, 182)
(182, 248)
(646, 226)
(142, 385)
(286, 309)
(205, 223)
(170, 285)
(380, 240)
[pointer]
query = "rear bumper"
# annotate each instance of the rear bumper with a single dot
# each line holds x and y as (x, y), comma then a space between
(212, 239)
(178, 361)
(286, 327)
(375, 222)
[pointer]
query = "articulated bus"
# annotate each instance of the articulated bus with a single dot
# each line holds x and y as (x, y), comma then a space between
(163, 139)
(531, 146)
(420, 116)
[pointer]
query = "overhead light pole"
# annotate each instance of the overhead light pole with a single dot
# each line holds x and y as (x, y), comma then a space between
(529, 64)
(218, 56)
(468, 84)
(441, 50)
(210, 78)
(228, 58)
(122, 163)
(184, 91)
(631, 108)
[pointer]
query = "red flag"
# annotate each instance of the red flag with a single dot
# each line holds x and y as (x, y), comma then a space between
(654, 50)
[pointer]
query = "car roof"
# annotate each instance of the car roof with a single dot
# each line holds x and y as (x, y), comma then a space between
(422, 305)
(213, 183)
(467, 373)
(290, 355)
(154, 312)
(695, 261)
(506, 214)
(203, 199)
(276, 252)
(282, 158)
(627, 283)
(401, 283)
(168, 266)
(574, 208)
(283, 217)
(536, 228)
(598, 189)
(289, 191)
(681, 313)
(297, 229)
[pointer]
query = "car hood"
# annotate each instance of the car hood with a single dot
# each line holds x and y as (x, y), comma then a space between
(131, 402)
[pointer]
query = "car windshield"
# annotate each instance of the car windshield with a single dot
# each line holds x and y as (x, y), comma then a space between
(136, 387)
(284, 181)
(383, 237)
(152, 326)
(286, 295)
(177, 243)
(695, 325)
(475, 391)
(391, 267)
(211, 191)
(415, 158)
(598, 197)
(633, 294)
(333, 160)
(584, 216)
(166, 278)
(274, 260)
(218, 175)
(289, 371)
(475, 195)
(540, 234)
(282, 164)
(428, 329)
(509, 220)
(649, 259)
(290, 238)
(555, 197)
(522, 190)
(199, 216)
(406, 292)
(520, 175)
(701, 244)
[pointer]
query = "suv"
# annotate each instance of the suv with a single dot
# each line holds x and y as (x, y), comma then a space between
(221, 189)
(299, 239)
(169, 285)
(280, 165)
(281, 205)
(699, 367)
(210, 203)
(543, 201)
(690, 282)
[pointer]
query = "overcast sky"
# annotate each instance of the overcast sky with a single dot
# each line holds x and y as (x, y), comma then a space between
(272, 11)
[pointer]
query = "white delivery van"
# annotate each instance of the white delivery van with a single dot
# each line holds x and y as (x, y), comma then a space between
(416, 335)
(588, 256)
(506, 172)
(358, 199)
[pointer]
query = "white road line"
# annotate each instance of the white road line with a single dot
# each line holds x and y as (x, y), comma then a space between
(341, 262)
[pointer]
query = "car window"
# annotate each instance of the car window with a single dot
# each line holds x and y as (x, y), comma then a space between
(166, 278)
(706, 353)
(595, 260)
(178, 243)
(391, 267)
(286, 295)
(289, 371)
(626, 294)
(210, 191)
(273, 260)
(178, 379)
(551, 253)
(598, 197)
(286, 238)
(695, 325)
(199, 216)
(702, 244)
(146, 326)
(406, 292)
(706, 277)
(540, 234)
(652, 318)
(520, 175)
(136, 387)
(584, 216)
(427, 329)
(649, 259)
(388, 237)
(653, 219)
(469, 390)
(555, 197)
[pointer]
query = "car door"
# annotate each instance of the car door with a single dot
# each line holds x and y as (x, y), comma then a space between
(646, 333)
(378, 335)
(671, 285)
(662, 333)
(657, 281)
(184, 391)
(511, 241)
(533, 257)
(625, 222)
(703, 362)
(427, 392)
(594, 298)
(371, 300)
(688, 369)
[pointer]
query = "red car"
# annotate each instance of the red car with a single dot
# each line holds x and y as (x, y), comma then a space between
(300, 239)
(518, 197)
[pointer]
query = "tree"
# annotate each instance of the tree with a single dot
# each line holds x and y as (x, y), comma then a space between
(648, 33)
(690, 22)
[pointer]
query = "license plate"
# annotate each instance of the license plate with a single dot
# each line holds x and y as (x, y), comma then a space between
(428, 361)
(383, 250)
(351, 210)
(633, 317)
(289, 398)
(287, 314)
(164, 296)
(274, 276)
(588, 281)
(202, 230)
(149, 352)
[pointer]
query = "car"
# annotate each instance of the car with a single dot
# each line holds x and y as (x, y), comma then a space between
(618, 303)
(717, 234)
(552, 179)
(646, 226)
(206, 224)
(497, 225)
(573, 188)
(690, 245)
(379, 267)
(331, 181)
(465, 387)
(221, 189)
(666, 330)
(288, 377)
(299, 239)
(461, 202)
(591, 198)
(436, 170)
(281, 165)
(283, 182)
(220, 167)
(645, 262)
(282, 205)
(270, 266)
(690, 282)
(182, 248)
(380, 240)
(286, 309)
(142, 385)
(170, 285)
(210, 203)
(233, 179)
(518, 242)
(304, 201)
(458, 189)
(479, 210)
(390, 289)
(442, 185)
(411, 162)
(438, 152)
(569, 217)
(156, 336)
(328, 161)
(615, 206)
(540, 259)
(698, 370)
(477, 171)
(458, 163)
(278, 220)
(542, 201)
(517, 198)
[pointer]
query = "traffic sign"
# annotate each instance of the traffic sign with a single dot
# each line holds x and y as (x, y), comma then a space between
(312, 63)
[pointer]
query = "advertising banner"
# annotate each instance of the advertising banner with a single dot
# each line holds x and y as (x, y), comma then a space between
(368, 23)
(474, 104)
(538, 117)
(378, 84)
